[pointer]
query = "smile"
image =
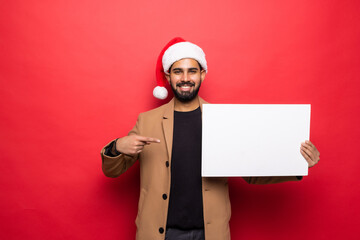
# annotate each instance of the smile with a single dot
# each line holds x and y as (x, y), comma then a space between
(185, 88)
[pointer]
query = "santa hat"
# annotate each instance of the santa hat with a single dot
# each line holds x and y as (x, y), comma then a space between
(175, 50)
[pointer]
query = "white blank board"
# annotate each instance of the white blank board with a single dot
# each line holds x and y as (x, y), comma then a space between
(254, 139)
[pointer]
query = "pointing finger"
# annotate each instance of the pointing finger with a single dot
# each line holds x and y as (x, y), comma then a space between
(148, 139)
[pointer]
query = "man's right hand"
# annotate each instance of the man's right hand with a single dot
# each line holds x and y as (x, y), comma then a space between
(133, 144)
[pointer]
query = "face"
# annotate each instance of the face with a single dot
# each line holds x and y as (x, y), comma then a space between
(185, 79)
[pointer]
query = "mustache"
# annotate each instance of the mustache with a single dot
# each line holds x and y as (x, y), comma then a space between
(180, 84)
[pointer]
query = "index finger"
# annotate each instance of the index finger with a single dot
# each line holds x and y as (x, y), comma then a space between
(148, 139)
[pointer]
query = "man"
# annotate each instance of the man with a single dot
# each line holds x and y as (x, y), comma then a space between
(175, 201)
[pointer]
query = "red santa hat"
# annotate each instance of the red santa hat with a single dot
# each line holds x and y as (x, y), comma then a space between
(175, 50)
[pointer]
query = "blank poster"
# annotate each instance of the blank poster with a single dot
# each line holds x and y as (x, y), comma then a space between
(254, 139)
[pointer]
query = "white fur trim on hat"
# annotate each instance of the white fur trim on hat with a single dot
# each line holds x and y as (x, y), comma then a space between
(183, 50)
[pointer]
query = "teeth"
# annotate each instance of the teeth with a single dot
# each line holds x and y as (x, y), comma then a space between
(185, 87)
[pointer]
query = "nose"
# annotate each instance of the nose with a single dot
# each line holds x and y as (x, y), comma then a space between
(185, 77)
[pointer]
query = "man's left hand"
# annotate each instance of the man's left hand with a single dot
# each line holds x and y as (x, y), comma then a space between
(310, 153)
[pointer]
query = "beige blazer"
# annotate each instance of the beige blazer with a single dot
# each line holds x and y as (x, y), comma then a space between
(155, 176)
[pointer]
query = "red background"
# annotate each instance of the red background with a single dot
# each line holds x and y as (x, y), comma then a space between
(75, 74)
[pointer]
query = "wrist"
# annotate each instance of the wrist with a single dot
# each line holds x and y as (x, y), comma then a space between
(115, 148)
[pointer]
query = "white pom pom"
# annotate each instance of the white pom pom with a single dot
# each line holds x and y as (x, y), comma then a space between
(160, 92)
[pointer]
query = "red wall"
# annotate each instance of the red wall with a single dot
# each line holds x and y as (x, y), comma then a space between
(75, 74)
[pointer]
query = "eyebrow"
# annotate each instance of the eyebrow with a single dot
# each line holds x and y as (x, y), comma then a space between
(181, 69)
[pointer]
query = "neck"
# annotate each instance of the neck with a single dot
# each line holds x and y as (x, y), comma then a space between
(188, 106)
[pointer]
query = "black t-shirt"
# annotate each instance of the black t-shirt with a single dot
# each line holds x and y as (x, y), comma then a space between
(185, 203)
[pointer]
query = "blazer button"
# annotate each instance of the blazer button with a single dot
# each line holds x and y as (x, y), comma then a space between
(161, 230)
(167, 163)
(164, 196)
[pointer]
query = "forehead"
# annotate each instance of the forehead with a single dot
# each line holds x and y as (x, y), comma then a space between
(186, 63)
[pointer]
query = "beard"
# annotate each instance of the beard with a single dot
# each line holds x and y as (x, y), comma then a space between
(185, 96)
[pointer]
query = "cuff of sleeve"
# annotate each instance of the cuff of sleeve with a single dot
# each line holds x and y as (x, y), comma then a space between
(111, 151)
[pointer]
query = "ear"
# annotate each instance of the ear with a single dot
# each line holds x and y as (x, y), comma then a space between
(202, 75)
(167, 77)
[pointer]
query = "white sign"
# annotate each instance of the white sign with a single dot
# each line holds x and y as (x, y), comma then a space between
(254, 139)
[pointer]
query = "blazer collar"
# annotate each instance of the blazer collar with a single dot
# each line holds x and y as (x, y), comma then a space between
(169, 109)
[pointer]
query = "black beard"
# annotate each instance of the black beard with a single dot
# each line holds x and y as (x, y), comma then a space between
(185, 97)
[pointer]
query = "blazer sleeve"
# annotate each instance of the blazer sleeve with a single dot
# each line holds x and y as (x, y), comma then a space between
(270, 180)
(114, 166)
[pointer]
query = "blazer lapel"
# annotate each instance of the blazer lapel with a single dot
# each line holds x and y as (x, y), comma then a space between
(168, 126)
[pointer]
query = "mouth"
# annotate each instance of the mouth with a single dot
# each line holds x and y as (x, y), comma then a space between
(185, 87)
